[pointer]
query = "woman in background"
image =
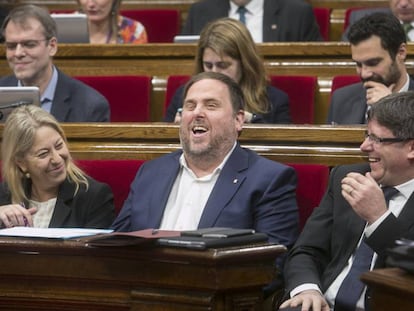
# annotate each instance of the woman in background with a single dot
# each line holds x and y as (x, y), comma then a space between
(106, 25)
(226, 46)
(42, 187)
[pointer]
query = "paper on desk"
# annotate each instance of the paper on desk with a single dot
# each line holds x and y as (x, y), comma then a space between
(51, 233)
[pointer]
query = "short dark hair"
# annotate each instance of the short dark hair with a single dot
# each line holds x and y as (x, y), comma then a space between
(236, 94)
(396, 113)
(383, 25)
(20, 14)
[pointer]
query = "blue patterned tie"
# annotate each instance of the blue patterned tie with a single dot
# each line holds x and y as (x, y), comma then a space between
(242, 14)
(352, 287)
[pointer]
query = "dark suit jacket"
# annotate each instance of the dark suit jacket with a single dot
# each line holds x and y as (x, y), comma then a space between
(333, 231)
(251, 192)
(93, 208)
(283, 20)
(278, 101)
(348, 104)
(73, 100)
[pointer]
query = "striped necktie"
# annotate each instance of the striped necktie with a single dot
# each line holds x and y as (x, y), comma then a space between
(352, 287)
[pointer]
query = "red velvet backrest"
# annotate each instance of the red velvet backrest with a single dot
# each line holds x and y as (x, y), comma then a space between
(323, 18)
(161, 24)
(128, 96)
(118, 174)
(343, 80)
(173, 83)
(301, 92)
(312, 184)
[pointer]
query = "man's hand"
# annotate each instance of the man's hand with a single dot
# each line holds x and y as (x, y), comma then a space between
(364, 195)
(309, 299)
(376, 91)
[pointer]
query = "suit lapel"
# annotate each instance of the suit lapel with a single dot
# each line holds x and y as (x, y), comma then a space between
(228, 183)
(169, 170)
(406, 217)
(62, 209)
(60, 109)
(270, 21)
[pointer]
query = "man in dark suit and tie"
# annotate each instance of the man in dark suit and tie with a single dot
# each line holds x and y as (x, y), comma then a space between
(323, 268)
(402, 9)
(267, 20)
(30, 40)
(213, 181)
(379, 49)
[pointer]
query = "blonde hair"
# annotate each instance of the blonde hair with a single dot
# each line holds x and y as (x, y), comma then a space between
(227, 36)
(18, 137)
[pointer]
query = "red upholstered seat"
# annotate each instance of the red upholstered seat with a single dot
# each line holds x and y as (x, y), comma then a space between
(323, 18)
(300, 89)
(343, 80)
(118, 174)
(301, 92)
(161, 24)
(173, 83)
(312, 184)
(128, 96)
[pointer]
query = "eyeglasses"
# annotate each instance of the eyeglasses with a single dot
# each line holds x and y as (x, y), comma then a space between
(380, 140)
(25, 44)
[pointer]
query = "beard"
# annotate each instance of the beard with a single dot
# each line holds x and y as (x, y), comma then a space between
(392, 77)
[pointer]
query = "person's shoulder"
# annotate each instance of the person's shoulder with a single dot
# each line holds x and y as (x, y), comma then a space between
(341, 171)
(78, 88)
(351, 89)
(273, 91)
(263, 162)
(9, 80)
(206, 3)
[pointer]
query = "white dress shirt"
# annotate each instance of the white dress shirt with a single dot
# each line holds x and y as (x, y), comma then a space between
(254, 18)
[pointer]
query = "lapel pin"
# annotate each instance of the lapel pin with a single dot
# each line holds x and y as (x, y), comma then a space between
(274, 26)
(235, 181)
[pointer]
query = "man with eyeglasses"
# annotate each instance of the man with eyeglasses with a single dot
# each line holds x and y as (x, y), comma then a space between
(353, 218)
(30, 42)
(379, 49)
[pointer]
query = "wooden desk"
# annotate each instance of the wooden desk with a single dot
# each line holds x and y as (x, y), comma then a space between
(288, 144)
(67, 275)
(392, 289)
(323, 60)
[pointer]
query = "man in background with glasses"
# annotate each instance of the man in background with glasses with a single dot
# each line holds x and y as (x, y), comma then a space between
(30, 42)
(349, 233)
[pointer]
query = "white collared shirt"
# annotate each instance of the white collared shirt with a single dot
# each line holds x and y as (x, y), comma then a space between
(254, 18)
(189, 196)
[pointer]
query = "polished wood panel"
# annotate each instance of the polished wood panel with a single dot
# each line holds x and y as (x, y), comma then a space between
(54, 275)
(328, 145)
(391, 289)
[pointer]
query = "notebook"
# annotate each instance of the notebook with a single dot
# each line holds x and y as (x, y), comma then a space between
(71, 28)
(15, 96)
(202, 243)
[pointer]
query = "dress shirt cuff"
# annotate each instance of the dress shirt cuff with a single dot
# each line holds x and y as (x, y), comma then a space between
(372, 227)
(303, 287)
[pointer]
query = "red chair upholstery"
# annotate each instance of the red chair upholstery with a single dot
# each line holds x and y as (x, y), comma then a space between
(301, 91)
(118, 174)
(173, 83)
(161, 24)
(312, 184)
(128, 96)
(343, 80)
(323, 18)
